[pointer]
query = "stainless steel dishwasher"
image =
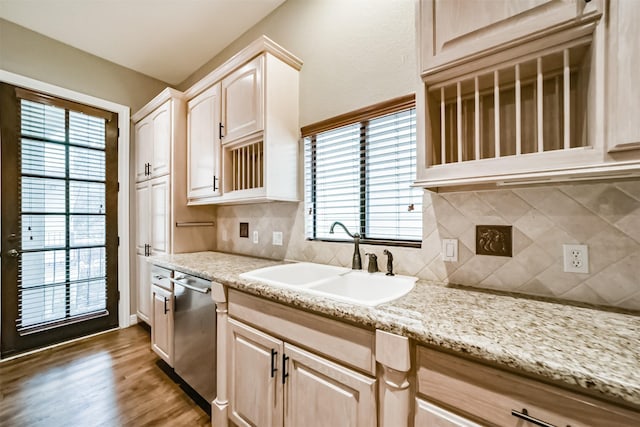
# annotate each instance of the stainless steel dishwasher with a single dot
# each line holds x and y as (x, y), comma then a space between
(195, 334)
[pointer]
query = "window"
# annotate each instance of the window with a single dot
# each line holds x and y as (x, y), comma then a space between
(359, 169)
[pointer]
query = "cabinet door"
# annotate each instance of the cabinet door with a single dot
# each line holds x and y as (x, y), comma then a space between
(161, 160)
(242, 101)
(160, 215)
(255, 393)
(142, 217)
(143, 285)
(144, 147)
(624, 90)
(321, 393)
(428, 414)
(203, 141)
(455, 29)
(162, 324)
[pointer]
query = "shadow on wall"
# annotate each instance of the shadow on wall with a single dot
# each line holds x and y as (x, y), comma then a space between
(604, 216)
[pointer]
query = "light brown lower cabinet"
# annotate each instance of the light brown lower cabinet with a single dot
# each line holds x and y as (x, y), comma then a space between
(275, 383)
(162, 325)
(453, 391)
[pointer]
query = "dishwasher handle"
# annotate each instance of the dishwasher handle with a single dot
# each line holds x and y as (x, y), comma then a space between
(193, 288)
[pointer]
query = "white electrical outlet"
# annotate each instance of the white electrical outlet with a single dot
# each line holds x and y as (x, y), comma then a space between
(576, 258)
(255, 236)
(277, 238)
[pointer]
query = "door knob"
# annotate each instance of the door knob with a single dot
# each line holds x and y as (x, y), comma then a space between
(12, 253)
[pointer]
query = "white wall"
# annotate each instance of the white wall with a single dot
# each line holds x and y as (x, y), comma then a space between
(355, 52)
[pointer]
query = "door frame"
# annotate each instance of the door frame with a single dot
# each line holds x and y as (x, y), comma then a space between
(125, 318)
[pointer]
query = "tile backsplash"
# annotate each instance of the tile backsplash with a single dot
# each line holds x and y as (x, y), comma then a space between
(604, 216)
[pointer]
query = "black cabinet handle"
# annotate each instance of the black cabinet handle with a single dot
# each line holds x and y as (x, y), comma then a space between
(215, 178)
(285, 374)
(274, 363)
(220, 127)
(524, 415)
(165, 305)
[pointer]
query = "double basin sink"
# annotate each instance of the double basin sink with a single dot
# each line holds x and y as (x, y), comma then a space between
(338, 283)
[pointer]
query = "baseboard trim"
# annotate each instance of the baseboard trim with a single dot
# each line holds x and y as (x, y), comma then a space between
(133, 319)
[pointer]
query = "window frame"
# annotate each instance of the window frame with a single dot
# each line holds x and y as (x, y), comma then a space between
(362, 117)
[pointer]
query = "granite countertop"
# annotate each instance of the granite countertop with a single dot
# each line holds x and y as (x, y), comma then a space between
(593, 349)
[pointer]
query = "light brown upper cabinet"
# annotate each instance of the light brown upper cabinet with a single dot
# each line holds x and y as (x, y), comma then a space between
(242, 101)
(203, 134)
(457, 31)
(163, 222)
(243, 128)
(153, 144)
(527, 91)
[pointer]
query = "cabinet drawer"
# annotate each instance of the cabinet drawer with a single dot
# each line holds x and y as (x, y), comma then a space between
(490, 395)
(160, 277)
(345, 343)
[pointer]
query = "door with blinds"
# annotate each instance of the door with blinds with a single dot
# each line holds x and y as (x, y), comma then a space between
(59, 220)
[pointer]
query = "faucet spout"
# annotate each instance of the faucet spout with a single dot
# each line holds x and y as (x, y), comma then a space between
(343, 227)
(356, 262)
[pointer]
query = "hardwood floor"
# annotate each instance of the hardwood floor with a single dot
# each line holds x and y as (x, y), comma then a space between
(112, 379)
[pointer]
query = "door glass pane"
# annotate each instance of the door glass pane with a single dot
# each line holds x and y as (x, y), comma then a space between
(43, 195)
(43, 158)
(86, 164)
(86, 230)
(86, 130)
(86, 197)
(43, 231)
(62, 269)
(42, 121)
(43, 305)
(87, 274)
(43, 268)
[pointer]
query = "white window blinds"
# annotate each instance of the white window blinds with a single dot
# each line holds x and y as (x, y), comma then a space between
(361, 174)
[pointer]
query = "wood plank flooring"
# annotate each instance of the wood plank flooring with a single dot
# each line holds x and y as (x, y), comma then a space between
(113, 379)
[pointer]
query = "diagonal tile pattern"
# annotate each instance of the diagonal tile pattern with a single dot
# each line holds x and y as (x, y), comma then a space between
(605, 216)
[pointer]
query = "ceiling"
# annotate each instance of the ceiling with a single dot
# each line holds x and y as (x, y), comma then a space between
(164, 39)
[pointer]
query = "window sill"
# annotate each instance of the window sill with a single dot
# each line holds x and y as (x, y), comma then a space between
(397, 243)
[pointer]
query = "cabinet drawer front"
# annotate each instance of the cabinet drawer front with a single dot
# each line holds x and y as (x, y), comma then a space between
(348, 344)
(428, 414)
(490, 394)
(160, 277)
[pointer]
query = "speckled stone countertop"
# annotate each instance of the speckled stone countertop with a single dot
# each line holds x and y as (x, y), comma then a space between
(593, 349)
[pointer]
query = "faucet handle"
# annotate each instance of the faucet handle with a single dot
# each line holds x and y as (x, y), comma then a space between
(389, 262)
(373, 262)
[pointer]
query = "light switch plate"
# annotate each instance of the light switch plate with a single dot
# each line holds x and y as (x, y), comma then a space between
(450, 250)
(277, 238)
(255, 237)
